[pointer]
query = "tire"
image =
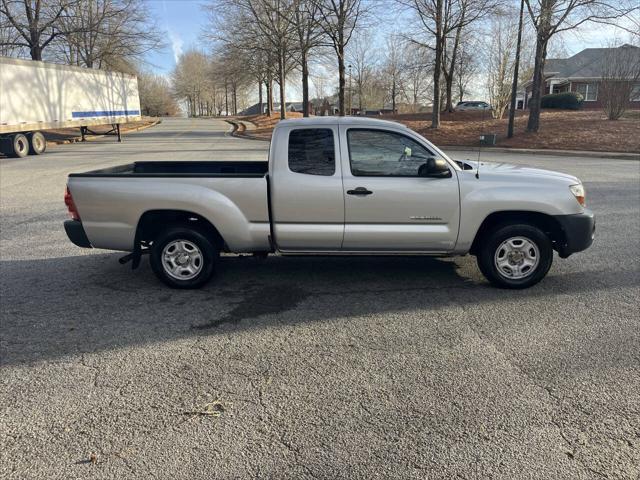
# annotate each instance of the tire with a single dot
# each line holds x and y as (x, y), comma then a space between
(37, 143)
(18, 146)
(515, 256)
(183, 258)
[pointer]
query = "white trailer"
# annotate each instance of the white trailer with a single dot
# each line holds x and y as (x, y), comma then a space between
(36, 96)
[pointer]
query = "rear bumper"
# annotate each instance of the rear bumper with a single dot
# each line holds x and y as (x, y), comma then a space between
(579, 231)
(75, 232)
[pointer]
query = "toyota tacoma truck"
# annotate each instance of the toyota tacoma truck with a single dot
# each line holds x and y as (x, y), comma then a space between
(332, 186)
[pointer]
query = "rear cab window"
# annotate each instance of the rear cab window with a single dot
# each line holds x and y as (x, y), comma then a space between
(311, 151)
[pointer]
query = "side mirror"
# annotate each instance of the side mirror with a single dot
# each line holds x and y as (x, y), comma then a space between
(435, 168)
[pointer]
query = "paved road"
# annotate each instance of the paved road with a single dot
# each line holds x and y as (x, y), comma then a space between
(311, 367)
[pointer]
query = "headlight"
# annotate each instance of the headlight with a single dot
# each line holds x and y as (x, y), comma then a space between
(579, 192)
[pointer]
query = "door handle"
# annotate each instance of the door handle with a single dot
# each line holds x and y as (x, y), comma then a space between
(359, 191)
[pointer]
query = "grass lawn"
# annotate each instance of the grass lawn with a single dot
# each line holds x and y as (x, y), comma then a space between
(559, 129)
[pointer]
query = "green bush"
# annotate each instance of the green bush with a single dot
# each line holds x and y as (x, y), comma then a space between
(568, 100)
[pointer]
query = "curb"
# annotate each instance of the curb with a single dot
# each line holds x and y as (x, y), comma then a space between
(542, 151)
(94, 137)
(234, 133)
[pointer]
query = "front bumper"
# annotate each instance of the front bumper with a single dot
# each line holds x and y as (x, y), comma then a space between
(579, 231)
(75, 232)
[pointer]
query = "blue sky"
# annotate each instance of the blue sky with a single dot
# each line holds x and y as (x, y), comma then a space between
(182, 21)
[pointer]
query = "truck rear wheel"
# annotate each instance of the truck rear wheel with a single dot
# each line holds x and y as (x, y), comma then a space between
(37, 143)
(18, 146)
(515, 256)
(183, 258)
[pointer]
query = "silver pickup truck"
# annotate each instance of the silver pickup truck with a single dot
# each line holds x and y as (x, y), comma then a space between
(332, 186)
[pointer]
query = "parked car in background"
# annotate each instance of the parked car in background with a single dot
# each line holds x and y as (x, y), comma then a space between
(463, 106)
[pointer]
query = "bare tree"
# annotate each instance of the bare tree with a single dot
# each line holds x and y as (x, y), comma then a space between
(501, 62)
(99, 33)
(155, 95)
(309, 36)
(460, 14)
(418, 66)
(274, 20)
(37, 23)
(550, 17)
(467, 65)
(191, 81)
(270, 24)
(339, 19)
(232, 28)
(619, 80)
(393, 68)
(10, 44)
(439, 20)
(361, 55)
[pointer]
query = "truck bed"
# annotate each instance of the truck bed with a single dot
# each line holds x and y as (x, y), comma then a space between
(182, 169)
(232, 195)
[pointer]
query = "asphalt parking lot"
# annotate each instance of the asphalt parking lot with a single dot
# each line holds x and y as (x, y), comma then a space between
(320, 368)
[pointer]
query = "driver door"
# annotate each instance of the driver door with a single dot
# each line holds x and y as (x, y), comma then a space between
(388, 206)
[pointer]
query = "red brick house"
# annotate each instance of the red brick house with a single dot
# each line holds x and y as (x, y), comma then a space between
(581, 73)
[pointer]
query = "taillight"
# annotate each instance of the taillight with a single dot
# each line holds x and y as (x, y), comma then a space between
(71, 206)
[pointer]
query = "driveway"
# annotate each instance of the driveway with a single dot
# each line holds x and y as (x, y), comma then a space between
(324, 368)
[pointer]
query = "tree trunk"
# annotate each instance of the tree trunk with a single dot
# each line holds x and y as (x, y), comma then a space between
(235, 98)
(342, 82)
(36, 52)
(437, 71)
(271, 95)
(305, 85)
(538, 84)
(516, 66)
(259, 97)
(450, 73)
(449, 91)
(393, 96)
(268, 86)
(281, 77)
(435, 114)
(226, 99)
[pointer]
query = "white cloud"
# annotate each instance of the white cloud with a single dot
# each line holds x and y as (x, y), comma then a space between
(176, 45)
(176, 40)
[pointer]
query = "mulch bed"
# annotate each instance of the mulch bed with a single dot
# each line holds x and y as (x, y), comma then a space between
(559, 129)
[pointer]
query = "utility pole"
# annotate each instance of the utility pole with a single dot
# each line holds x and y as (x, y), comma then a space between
(514, 85)
(350, 91)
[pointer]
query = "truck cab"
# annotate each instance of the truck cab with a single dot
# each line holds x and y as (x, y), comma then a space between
(361, 186)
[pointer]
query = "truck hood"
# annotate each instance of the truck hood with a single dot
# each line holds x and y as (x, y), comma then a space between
(508, 169)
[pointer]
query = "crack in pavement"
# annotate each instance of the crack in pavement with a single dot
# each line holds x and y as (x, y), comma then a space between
(532, 380)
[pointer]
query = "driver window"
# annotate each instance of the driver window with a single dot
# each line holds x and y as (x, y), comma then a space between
(380, 153)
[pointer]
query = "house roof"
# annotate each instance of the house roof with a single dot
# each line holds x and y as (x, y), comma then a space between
(589, 63)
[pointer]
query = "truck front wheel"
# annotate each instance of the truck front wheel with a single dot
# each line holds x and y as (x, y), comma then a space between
(37, 143)
(183, 258)
(515, 256)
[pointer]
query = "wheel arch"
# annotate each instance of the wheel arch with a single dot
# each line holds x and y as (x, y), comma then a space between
(152, 222)
(545, 222)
